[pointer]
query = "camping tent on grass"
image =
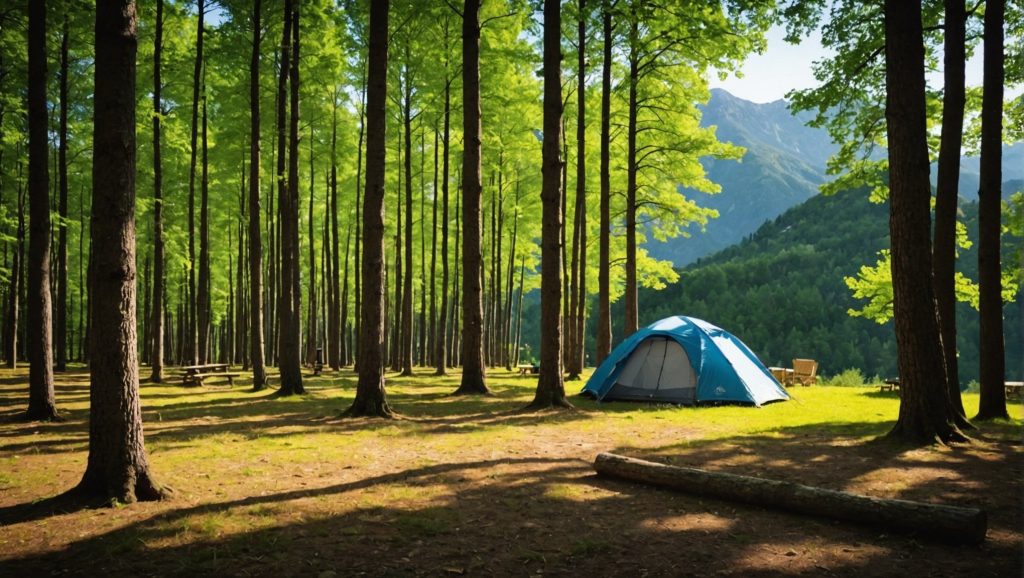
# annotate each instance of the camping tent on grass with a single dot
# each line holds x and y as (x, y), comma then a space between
(684, 360)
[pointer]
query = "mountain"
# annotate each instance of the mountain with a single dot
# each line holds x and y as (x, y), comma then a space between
(783, 166)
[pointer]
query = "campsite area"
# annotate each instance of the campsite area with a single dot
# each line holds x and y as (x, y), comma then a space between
(470, 486)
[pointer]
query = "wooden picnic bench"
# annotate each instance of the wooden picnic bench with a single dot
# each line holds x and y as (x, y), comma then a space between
(1014, 389)
(195, 375)
(891, 384)
(525, 368)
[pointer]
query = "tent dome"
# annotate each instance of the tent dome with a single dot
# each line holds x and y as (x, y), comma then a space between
(684, 360)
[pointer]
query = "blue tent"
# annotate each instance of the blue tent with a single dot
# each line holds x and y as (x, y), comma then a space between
(684, 360)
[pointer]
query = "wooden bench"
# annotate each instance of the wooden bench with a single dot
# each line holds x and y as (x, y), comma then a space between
(891, 384)
(528, 368)
(1015, 389)
(199, 379)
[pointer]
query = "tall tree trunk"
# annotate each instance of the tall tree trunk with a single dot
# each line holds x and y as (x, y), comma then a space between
(604, 308)
(14, 301)
(61, 309)
(335, 327)
(421, 351)
(395, 348)
(632, 309)
(359, 223)
(441, 357)
(157, 322)
(41, 403)
(311, 333)
(924, 414)
(291, 330)
(507, 329)
(117, 467)
(203, 299)
(992, 404)
(192, 351)
(238, 344)
(371, 399)
(430, 354)
(256, 345)
(946, 196)
(519, 311)
(407, 327)
(473, 369)
(346, 348)
(579, 236)
(550, 388)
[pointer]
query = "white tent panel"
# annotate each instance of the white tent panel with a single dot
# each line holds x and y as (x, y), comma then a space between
(677, 372)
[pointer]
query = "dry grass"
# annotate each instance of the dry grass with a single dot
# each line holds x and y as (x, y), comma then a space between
(275, 487)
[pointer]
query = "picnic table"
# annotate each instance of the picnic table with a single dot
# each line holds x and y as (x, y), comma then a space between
(783, 375)
(195, 374)
(1014, 389)
(891, 384)
(525, 368)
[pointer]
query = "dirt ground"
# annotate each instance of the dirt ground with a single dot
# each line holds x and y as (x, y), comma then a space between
(267, 487)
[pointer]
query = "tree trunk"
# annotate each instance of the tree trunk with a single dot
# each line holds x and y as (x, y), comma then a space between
(41, 403)
(335, 326)
(256, 345)
(117, 467)
(429, 354)
(604, 308)
(291, 331)
(192, 347)
(632, 306)
(925, 415)
(156, 359)
(371, 400)
(203, 300)
(992, 404)
(61, 309)
(441, 357)
(395, 348)
(946, 523)
(473, 369)
(579, 237)
(550, 389)
(311, 333)
(357, 264)
(946, 197)
(14, 302)
(407, 327)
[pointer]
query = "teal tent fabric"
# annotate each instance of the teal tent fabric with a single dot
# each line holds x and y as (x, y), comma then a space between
(725, 369)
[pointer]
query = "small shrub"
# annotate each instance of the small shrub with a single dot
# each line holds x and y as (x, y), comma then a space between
(847, 378)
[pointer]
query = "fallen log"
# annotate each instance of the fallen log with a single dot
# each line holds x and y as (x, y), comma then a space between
(948, 523)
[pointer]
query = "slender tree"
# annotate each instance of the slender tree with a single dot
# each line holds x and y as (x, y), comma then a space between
(203, 290)
(442, 329)
(41, 403)
(117, 467)
(578, 292)
(407, 326)
(925, 414)
(192, 347)
(157, 321)
(335, 325)
(259, 372)
(550, 388)
(61, 310)
(992, 404)
(290, 344)
(946, 197)
(473, 368)
(604, 310)
(371, 399)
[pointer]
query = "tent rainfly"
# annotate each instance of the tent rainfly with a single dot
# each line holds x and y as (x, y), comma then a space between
(684, 360)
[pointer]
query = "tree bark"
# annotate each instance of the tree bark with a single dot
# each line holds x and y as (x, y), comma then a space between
(442, 327)
(41, 403)
(992, 404)
(291, 332)
(550, 388)
(256, 345)
(336, 320)
(311, 332)
(429, 353)
(925, 414)
(371, 399)
(946, 196)
(473, 368)
(117, 467)
(61, 310)
(192, 347)
(579, 237)
(203, 300)
(947, 523)
(630, 297)
(407, 326)
(157, 321)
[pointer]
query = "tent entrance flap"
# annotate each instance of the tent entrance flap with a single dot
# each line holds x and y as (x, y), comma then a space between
(658, 366)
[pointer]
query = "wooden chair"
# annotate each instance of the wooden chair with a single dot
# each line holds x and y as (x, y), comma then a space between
(805, 371)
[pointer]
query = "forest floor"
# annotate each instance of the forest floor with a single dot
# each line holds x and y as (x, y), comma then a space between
(469, 486)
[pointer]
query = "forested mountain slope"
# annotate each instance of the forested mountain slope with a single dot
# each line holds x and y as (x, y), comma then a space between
(782, 291)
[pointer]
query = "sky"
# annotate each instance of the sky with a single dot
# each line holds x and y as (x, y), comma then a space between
(783, 67)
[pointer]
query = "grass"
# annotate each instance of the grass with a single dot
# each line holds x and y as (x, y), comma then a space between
(269, 485)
